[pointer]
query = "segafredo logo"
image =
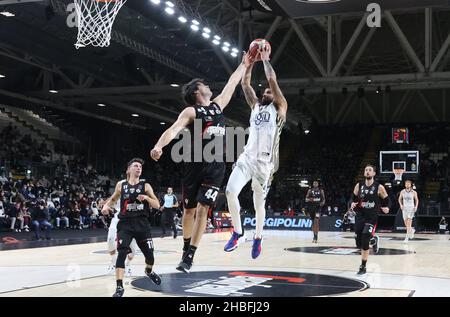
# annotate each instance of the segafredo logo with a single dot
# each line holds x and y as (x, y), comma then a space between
(280, 222)
(248, 283)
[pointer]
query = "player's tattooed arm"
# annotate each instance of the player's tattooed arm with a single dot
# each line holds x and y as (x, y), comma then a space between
(107, 207)
(278, 97)
(184, 119)
(385, 199)
(355, 194)
(249, 92)
(323, 200)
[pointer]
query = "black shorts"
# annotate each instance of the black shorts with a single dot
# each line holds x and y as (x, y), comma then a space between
(201, 183)
(361, 222)
(313, 212)
(135, 228)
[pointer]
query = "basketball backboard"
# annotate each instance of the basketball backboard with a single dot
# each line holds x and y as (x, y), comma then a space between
(407, 160)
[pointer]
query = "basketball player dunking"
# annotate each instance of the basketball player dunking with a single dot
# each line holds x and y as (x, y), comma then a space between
(136, 197)
(408, 201)
(202, 180)
(315, 198)
(369, 197)
(259, 161)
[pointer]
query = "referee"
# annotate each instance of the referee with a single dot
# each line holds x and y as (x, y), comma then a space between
(168, 212)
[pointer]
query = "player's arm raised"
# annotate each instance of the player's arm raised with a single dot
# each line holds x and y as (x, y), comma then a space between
(278, 97)
(249, 92)
(184, 119)
(107, 207)
(384, 199)
(225, 96)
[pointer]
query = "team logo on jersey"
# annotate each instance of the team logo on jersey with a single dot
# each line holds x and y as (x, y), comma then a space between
(132, 190)
(186, 201)
(202, 110)
(126, 190)
(211, 112)
(208, 119)
(249, 283)
(138, 191)
(261, 117)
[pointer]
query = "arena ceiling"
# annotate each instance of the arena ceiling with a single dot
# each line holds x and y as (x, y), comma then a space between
(329, 63)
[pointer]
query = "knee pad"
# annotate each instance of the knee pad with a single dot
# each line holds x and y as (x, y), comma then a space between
(121, 257)
(146, 247)
(366, 236)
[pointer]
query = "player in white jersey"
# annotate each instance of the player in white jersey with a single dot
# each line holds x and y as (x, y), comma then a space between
(409, 202)
(112, 243)
(259, 161)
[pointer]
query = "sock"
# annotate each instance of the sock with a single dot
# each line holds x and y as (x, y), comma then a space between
(363, 263)
(119, 283)
(190, 253)
(187, 242)
(315, 236)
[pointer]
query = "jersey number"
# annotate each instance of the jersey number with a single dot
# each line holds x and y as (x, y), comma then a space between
(211, 194)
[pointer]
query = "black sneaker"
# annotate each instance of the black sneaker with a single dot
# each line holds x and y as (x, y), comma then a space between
(154, 277)
(119, 292)
(376, 244)
(184, 266)
(362, 270)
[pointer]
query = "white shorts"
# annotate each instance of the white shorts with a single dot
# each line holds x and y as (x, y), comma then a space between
(259, 172)
(408, 213)
(112, 238)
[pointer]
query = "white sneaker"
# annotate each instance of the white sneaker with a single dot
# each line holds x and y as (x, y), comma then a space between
(406, 240)
(411, 236)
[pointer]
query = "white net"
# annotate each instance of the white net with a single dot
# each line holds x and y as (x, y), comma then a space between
(398, 174)
(95, 21)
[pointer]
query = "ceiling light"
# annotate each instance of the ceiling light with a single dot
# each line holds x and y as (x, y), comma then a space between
(53, 91)
(7, 14)
(169, 10)
(101, 105)
(134, 115)
(216, 42)
(169, 4)
(174, 85)
(182, 19)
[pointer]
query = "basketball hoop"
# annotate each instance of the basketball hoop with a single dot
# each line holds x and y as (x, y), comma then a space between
(95, 21)
(398, 172)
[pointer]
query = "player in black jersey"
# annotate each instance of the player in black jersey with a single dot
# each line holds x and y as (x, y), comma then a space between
(203, 178)
(369, 197)
(315, 198)
(136, 197)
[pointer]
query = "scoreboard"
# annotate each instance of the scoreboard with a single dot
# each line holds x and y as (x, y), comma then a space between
(400, 135)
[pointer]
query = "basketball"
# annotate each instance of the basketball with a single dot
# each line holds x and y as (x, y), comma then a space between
(256, 45)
